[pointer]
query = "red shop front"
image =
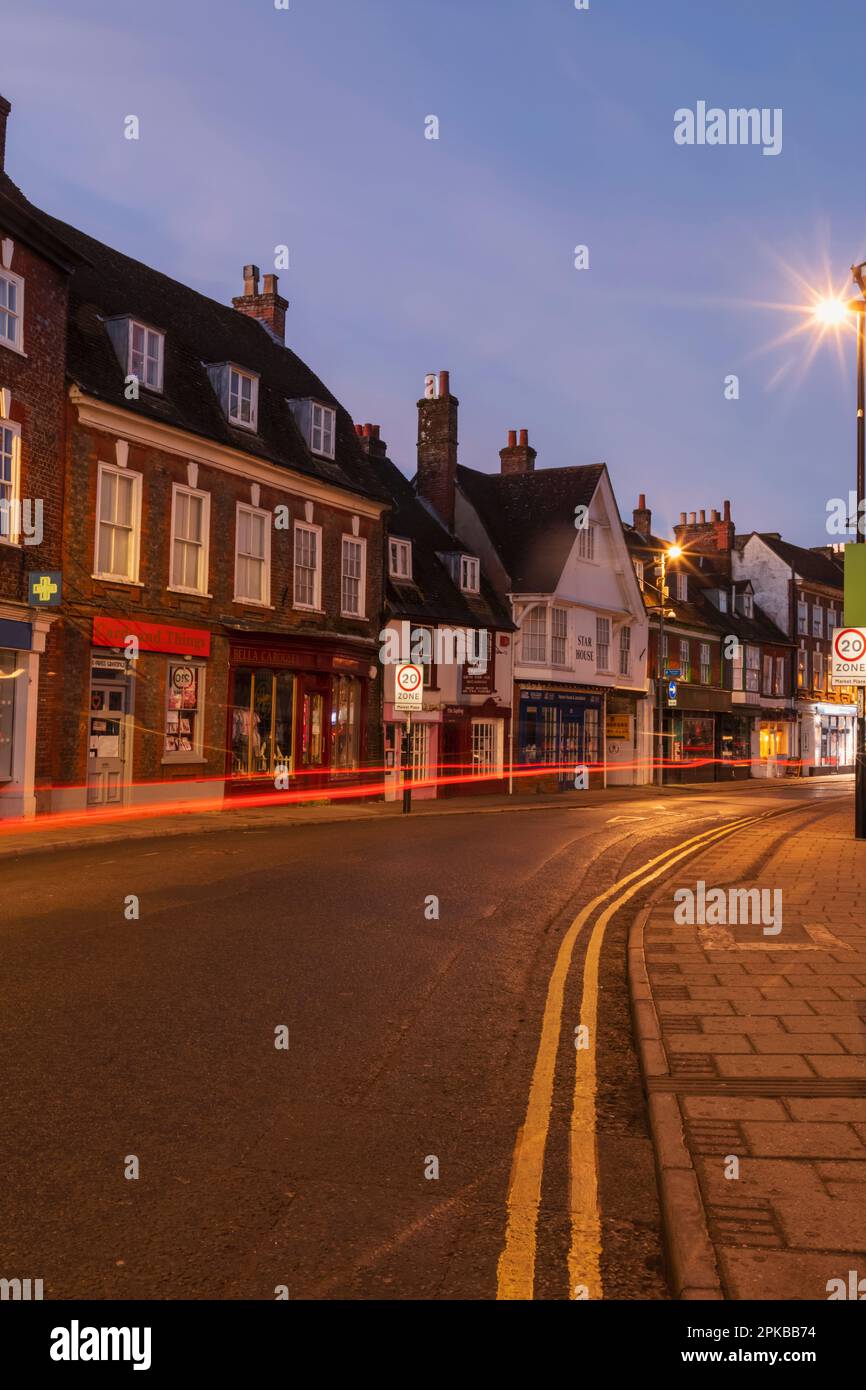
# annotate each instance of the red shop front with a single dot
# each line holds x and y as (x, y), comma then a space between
(297, 714)
(474, 748)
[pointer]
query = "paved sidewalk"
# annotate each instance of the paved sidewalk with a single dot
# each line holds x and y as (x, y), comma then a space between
(754, 1053)
(46, 833)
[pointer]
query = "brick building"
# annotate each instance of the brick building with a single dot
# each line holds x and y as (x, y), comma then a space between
(803, 590)
(222, 550)
(441, 607)
(35, 266)
(732, 716)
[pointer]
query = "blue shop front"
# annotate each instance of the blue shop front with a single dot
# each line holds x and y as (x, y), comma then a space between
(559, 729)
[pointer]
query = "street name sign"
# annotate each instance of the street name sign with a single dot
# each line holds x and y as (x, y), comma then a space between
(849, 656)
(408, 686)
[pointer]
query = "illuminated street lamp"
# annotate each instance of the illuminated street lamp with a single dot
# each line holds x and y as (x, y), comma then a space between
(673, 552)
(833, 313)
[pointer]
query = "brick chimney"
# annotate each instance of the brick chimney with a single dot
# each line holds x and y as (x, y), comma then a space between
(713, 537)
(5, 108)
(368, 438)
(517, 457)
(268, 307)
(437, 447)
(642, 517)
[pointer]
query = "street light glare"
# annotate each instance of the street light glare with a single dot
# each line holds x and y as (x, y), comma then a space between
(674, 552)
(831, 312)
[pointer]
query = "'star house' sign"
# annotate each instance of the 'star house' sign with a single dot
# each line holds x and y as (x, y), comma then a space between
(152, 637)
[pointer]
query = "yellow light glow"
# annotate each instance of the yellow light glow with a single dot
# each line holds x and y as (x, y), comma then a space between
(831, 312)
(674, 552)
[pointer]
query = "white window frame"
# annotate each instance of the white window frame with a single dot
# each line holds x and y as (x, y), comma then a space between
(558, 634)
(494, 741)
(685, 659)
(538, 637)
(705, 662)
(316, 605)
(817, 620)
(319, 428)
(10, 528)
(802, 618)
(252, 423)
(586, 542)
(625, 650)
(160, 340)
(639, 571)
(135, 530)
(723, 601)
(204, 551)
(362, 578)
(602, 625)
(402, 548)
(748, 606)
(682, 588)
(265, 600)
(16, 344)
(470, 574)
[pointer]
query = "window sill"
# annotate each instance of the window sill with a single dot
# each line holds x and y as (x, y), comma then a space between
(10, 347)
(359, 617)
(12, 544)
(113, 579)
(173, 760)
(253, 603)
(307, 608)
(242, 425)
(188, 593)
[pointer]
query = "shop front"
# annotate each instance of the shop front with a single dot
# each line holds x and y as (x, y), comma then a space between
(21, 644)
(297, 715)
(734, 747)
(559, 729)
(701, 736)
(828, 739)
(775, 754)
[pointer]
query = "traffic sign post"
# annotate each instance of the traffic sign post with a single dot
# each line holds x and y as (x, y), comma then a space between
(672, 693)
(408, 696)
(848, 660)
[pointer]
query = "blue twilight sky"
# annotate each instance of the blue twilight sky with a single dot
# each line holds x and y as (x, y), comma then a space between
(306, 127)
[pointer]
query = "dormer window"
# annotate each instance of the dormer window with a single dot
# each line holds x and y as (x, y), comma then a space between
(145, 355)
(469, 574)
(723, 600)
(399, 559)
(11, 310)
(322, 422)
(748, 606)
(243, 398)
(318, 425)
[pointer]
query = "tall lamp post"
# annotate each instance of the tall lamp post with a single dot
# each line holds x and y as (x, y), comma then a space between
(858, 307)
(672, 553)
(833, 311)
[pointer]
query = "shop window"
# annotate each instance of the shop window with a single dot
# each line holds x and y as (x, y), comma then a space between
(419, 752)
(184, 712)
(262, 722)
(698, 738)
(345, 721)
(118, 523)
(9, 677)
(591, 730)
(10, 486)
(313, 729)
(486, 747)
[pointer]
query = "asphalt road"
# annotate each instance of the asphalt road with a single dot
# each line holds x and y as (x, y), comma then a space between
(371, 1158)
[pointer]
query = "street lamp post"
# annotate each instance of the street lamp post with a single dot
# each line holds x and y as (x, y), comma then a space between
(859, 308)
(671, 553)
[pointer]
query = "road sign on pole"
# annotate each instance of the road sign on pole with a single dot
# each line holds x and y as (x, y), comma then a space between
(848, 662)
(408, 686)
(672, 692)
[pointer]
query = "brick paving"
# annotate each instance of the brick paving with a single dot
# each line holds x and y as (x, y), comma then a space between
(764, 1046)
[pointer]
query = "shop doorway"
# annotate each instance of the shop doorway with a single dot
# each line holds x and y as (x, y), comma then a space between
(106, 743)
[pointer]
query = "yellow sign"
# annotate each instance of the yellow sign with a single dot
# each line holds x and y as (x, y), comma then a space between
(619, 727)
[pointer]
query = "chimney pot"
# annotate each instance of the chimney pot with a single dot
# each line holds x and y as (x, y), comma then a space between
(269, 307)
(692, 519)
(251, 279)
(703, 518)
(641, 502)
(444, 384)
(714, 515)
(727, 507)
(512, 439)
(5, 108)
(270, 284)
(359, 430)
(524, 438)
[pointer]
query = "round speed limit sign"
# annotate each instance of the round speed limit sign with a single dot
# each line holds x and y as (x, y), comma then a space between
(849, 644)
(408, 686)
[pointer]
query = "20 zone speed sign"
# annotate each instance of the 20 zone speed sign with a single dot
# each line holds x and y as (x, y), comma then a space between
(849, 656)
(408, 686)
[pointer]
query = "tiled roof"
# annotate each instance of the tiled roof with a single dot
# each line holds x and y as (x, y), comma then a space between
(530, 518)
(199, 331)
(432, 595)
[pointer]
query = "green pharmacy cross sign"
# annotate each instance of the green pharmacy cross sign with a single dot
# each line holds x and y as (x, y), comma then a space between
(44, 588)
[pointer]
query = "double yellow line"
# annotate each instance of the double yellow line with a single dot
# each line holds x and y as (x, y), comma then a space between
(516, 1269)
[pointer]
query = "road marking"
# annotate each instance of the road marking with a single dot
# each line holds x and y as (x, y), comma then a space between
(516, 1267)
(614, 819)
